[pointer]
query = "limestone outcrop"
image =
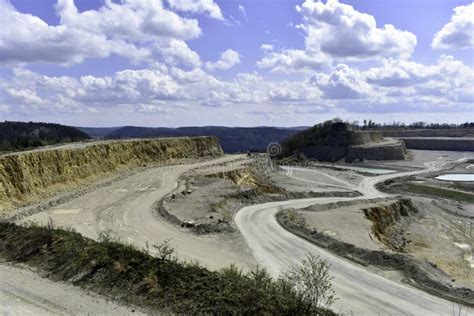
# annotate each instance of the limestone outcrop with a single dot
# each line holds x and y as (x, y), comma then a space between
(30, 176)
(440, 143)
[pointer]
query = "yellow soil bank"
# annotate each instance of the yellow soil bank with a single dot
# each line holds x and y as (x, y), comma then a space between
(29, 176)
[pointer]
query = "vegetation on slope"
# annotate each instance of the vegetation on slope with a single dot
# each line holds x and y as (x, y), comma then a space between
(314, 136)
(438, 192)
(159, 283)
(21, 135)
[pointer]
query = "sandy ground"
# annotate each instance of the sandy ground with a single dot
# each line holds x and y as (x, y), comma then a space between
(443, 239)
(417, 158)
(200, 205)
(23, 292)
(126, 210)
(297, 179)
(347, 224)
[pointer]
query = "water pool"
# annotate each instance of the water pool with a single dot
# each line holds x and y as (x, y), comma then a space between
(459, 177)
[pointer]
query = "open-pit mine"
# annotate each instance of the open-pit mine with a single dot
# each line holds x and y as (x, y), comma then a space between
(398, 237)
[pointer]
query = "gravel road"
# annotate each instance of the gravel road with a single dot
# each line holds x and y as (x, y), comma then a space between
(125, 209)
(24, 292)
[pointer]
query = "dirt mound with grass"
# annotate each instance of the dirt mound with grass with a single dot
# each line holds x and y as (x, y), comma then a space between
(161, 284)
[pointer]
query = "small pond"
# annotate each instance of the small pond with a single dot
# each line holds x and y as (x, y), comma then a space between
(459, 177)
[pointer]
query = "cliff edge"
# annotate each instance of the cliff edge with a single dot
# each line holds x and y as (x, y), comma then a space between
(30, 176)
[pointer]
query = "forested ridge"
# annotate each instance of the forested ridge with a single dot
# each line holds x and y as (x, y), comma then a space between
(23, 135)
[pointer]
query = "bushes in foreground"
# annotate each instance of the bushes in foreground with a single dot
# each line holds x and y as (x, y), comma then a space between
(157, 283)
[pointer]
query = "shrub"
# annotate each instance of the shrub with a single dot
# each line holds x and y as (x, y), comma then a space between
(311, 279)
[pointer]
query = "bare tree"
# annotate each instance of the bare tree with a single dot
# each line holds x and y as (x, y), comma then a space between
(312, 280)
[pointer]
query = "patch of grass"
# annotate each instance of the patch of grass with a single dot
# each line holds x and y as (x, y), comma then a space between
(439, 192)
(159, 283)
(292, 215)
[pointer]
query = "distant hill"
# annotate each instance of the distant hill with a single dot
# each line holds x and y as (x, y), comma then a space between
(20, 135)
(98, 132)
(232, 139)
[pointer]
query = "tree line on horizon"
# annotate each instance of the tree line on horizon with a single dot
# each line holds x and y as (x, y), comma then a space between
(16, 136)
(369, 124)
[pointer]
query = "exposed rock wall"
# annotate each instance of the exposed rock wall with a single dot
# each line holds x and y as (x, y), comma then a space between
(387, 225)
(29, 176)
(387, 151)
(455, 144)
(392, 150)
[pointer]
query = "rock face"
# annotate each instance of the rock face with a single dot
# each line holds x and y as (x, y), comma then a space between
(388, 222)
(389, 150)
(348, 138)
(358, 145)
(440, 143)
(454, 132)
(30, 176)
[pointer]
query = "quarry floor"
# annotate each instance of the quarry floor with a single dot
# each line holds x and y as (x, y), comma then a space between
(125, 209)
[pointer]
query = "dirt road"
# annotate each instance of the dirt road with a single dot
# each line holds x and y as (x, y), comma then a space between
(125, 209)
(23, 292)
(360, 291)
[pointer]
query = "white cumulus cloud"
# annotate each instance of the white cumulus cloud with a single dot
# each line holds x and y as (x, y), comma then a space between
(294, 60)
(344, 33)
(459, 32)
(227, 60)
(128, 29)
(198, 6)
(336, 32)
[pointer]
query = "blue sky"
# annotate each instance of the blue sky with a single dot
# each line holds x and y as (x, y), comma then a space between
(235, 62)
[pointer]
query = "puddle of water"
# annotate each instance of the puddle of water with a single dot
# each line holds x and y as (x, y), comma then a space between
(460, 177)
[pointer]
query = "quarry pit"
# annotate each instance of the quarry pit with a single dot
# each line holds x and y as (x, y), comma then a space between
(118, 187)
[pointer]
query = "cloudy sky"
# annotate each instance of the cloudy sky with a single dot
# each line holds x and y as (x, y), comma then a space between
(236, 62)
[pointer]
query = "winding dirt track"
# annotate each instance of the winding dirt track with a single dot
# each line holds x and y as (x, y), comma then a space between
(126, 210)
(360, 291)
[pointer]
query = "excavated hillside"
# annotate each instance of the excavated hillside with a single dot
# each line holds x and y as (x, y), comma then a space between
(333, 141)
(30, 176)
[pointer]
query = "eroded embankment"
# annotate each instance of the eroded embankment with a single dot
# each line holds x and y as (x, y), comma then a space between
(418, 273)
(30, 176)
(387, 222)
